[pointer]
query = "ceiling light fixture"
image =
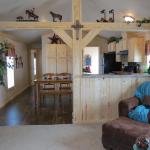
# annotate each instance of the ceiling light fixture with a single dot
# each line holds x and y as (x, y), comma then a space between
(129, 19)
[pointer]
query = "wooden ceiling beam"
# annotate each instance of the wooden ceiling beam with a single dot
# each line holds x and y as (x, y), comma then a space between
(89, 37)
(116, 26)
(64, 36)
(67, 25)
(35, 25)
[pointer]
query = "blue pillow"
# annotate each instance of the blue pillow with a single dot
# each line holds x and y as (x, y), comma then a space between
(140, 113)
(143, 90)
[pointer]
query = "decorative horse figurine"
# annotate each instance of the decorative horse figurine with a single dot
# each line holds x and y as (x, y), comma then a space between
(31, 14)
(19, 18)
(112, 19)
(103, 19)
(56, 16)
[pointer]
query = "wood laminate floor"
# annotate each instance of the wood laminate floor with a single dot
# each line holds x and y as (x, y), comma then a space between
(21, 110)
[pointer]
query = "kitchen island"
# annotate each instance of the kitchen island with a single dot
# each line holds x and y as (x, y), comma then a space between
(100, 94)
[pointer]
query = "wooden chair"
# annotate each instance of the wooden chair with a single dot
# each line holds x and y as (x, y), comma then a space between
(44, 88)
(48, 76)
(65, 76)
(66, 87)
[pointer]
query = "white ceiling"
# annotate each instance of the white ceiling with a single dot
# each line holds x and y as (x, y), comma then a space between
(9, 10)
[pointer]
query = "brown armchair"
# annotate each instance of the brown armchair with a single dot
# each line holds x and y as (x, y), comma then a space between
(121, 133)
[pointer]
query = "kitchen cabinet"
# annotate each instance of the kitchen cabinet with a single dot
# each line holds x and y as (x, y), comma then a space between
(136, 49)
(119, 47)
(112, 47)
(58, 58)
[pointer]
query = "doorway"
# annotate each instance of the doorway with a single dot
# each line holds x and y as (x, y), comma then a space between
(33, 56)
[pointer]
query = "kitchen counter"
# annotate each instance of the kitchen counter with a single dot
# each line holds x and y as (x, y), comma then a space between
(112, 75)
(98, 95)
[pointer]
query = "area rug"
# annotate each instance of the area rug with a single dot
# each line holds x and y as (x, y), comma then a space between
(52, 137)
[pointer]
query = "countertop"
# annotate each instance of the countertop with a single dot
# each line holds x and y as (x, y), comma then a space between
(134, 75)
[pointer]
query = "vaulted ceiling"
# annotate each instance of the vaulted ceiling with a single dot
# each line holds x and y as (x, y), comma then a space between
(10, 9)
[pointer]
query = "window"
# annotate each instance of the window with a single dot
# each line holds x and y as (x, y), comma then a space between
(91, 60)
(10, 72)
(34, 66)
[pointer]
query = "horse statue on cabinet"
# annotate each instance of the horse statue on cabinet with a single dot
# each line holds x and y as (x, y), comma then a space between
(56, 16)
(31, 14)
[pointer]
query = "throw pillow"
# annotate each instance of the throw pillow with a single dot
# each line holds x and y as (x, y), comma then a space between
(140, 113)
(142, 90)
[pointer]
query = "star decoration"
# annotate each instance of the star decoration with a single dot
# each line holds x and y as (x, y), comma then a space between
(55, 39)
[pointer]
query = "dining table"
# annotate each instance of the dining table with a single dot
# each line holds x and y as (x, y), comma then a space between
(55, 91)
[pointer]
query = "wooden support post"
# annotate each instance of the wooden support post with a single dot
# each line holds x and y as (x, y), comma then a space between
(76, 10)
(77, 63)
(77, 26)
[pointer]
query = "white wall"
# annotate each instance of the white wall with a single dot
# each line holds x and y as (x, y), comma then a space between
(21, 74)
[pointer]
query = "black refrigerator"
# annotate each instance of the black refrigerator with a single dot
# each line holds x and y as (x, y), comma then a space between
(110, 63)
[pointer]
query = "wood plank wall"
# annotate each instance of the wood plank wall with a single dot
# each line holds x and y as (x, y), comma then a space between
(100, 97)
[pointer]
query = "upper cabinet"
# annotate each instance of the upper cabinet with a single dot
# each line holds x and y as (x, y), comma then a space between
(58, 58)
(136, 46)
(112, 47)
(134, 43)
(119, 47)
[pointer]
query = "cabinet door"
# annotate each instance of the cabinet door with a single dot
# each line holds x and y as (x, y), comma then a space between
(51, 65)
(69, 61)
(69, 53)
(51, 58)
(118, 59)
(113, 46)
(131, 46)
(51, 50)
(61, 65)
(124, 44)
(136, 50)
(139, 51)
(109, 48)
(61, 51)
(69, 65)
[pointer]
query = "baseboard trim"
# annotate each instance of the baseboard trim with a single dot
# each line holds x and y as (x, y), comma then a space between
(6, 101)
